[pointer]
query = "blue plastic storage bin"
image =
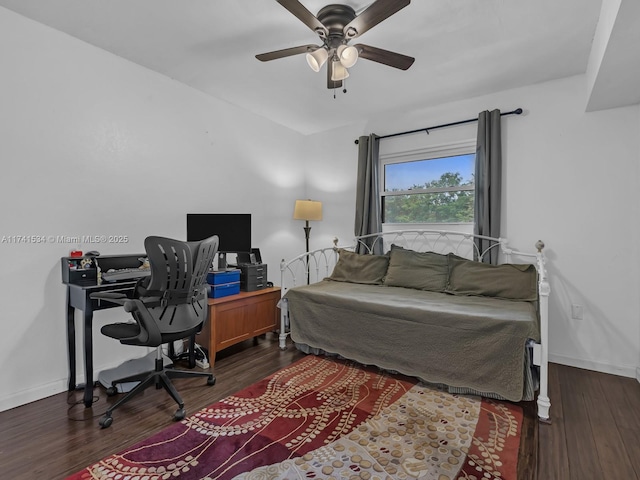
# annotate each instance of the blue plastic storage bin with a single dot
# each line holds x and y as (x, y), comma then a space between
(223, 276)
(224, 289)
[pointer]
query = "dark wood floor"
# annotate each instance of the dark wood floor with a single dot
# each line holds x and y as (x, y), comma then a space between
(595, 432)
(595, 429)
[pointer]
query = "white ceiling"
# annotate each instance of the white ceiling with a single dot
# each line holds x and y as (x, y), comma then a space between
(463, 48)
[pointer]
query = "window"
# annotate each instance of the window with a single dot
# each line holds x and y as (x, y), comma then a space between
(429, 186)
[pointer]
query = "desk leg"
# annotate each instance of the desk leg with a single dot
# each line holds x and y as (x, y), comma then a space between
(88, 357)
(192, 351)
(71, 342)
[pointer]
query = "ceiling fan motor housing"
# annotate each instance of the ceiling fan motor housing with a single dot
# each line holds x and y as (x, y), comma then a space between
(335, 17)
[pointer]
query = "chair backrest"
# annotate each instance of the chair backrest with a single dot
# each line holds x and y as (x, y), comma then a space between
(175, 294)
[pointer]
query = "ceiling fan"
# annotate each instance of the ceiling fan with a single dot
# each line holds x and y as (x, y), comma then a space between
(336, 25)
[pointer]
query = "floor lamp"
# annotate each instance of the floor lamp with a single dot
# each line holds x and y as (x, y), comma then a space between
(307, 210)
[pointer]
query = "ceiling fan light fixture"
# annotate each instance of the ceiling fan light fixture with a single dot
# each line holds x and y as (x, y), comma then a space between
(339, 72)
(317, 59)
(336, 25)
(348, 55)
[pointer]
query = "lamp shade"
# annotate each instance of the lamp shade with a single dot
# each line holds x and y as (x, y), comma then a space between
(317, 58)
(339, 72)
(307, 210)
(348, 55)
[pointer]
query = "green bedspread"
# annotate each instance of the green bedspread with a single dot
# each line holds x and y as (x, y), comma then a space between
(462, 341)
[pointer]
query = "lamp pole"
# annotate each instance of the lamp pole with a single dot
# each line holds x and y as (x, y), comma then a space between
(307, 231)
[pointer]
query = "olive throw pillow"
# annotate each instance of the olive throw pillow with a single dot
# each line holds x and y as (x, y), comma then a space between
(508, 281)
(355, 268)
(418, 270)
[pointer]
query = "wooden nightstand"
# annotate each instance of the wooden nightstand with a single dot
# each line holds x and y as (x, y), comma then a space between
(236, 318)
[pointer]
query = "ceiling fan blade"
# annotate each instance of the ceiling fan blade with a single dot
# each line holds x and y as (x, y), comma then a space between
(305, 16)
(287, 52)
(331, 83)
(392, 59)
(373, 15)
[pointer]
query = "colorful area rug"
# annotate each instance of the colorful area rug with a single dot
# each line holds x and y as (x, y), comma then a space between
(328, 419)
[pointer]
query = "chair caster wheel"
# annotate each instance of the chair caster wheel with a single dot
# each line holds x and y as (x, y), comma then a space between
(211, 380)
(180, 414)
(111, 391)
(106, 421)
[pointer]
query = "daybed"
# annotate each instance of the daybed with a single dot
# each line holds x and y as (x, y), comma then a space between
(428, 307)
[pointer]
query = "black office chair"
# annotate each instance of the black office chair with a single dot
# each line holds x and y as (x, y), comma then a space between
(170, 304)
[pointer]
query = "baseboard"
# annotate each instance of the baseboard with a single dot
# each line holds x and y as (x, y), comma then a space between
(18, 399)
(620, 370)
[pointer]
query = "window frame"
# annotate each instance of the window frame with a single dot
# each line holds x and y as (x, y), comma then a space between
(433, 152)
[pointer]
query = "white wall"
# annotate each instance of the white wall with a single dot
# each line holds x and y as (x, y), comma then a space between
(571, 179)
(79, 127)
(79, 123)
(332, 162)
(637, 206)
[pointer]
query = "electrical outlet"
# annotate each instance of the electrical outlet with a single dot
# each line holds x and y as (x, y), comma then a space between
(577, 312)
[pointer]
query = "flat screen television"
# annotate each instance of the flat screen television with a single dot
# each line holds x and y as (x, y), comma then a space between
(233, 230)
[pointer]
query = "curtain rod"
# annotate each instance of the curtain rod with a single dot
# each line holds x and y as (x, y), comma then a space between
(517, 111)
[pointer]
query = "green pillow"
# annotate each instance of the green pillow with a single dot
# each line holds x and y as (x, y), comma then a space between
(419, 270)
(355, 268)
(508, 281)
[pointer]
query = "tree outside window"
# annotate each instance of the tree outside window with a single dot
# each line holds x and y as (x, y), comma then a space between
(436, 190)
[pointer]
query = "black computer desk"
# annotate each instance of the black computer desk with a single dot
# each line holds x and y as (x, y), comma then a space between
(82, 282)
(81, 275)
(78, 297)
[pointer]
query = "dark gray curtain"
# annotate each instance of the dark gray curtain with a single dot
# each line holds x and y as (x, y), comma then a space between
(368, 214)
(488, 181)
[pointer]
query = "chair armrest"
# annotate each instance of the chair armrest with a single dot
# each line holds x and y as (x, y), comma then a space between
(144, 319)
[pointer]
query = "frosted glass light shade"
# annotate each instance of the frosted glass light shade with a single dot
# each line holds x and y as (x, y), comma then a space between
(348, 55)
(317, 59)
(339, 72)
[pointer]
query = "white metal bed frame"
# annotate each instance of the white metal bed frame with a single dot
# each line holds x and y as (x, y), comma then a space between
(313, 266)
